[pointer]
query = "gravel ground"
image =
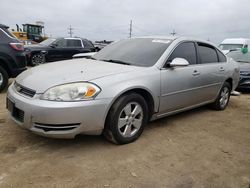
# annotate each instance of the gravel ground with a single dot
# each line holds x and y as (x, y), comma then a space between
(199, 148)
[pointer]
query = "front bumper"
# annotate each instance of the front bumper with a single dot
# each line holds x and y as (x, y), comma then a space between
(244, 82)
(58, 119)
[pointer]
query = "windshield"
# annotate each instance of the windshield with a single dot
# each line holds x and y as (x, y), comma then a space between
(239, 56)
(230, 46)
(140, 51)
(47, 42)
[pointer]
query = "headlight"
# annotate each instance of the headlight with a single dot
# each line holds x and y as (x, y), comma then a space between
(72, 92)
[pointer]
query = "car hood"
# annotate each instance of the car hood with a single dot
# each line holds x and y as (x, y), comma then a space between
(45, 76)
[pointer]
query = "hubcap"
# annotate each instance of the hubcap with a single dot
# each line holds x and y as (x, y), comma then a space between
(1, 79)
(37, 59)
(130, 119)
(224, 97)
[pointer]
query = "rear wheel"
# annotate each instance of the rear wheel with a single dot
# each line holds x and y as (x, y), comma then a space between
(37, 59)
(3, 79)
(223, 98)
(126, 119)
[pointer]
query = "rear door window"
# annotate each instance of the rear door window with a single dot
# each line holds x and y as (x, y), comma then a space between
(186, 51)
(74, 43)
(207, 53)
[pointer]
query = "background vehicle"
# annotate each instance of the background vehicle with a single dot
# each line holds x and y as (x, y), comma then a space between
(12, 58)
(32, 32)
(243, 60)
(101, 44)
(57, 49)
(235, 44)
(122, 87)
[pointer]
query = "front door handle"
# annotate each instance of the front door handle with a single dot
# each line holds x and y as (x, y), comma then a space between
(222, 69)
(196, 73)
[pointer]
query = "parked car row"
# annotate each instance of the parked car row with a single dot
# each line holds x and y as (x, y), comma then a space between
(56, 50)
(120, 88)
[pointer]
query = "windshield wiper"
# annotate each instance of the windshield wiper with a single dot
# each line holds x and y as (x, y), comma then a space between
(116, 61)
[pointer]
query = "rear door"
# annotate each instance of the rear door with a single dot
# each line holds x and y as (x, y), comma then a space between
(213, 67)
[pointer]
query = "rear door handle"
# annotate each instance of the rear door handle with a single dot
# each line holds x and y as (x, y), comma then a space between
(222, 69)
(196, 73)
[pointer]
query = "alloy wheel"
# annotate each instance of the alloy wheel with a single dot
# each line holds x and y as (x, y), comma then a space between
(224, 97)
(130, 119)
(37, 59)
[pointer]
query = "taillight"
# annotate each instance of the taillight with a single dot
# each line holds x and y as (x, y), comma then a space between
(17, 46)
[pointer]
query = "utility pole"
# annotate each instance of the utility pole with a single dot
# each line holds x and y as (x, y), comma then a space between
(70, 31)
(130, 29)
(173, 33)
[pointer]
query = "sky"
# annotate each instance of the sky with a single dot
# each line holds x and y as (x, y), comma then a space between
(212, 20)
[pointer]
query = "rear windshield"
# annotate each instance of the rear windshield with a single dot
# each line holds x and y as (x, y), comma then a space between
(140, 51)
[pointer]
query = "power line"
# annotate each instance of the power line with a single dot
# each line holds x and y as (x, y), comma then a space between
(70, 31)
(130, 29)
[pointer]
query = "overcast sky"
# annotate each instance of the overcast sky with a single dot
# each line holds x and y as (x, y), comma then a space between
(109, 19)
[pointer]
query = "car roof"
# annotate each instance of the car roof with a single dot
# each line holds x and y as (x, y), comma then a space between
(235, 41)
(181, 38)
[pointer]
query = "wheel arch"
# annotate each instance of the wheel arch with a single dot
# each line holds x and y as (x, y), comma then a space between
(230, 81)
(144, 92)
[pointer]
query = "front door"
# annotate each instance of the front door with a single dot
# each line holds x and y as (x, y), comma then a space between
(181, 86)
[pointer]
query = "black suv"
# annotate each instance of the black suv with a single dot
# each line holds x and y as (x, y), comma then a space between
(57, 49)
(12, 57)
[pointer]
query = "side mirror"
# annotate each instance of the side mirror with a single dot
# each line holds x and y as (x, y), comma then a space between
(53, 45)
(179, 62)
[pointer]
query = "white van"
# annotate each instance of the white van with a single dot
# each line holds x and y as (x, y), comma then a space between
(235, 44)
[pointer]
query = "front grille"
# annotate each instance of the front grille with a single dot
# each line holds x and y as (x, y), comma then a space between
(56, 127)
(23, 90)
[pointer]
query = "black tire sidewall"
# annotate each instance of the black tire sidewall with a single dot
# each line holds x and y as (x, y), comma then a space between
(112, 121)
(5, 78)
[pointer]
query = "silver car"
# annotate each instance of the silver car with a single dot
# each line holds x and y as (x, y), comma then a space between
(121, 88)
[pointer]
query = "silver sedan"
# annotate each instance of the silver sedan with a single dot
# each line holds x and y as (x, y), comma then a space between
(121, 88)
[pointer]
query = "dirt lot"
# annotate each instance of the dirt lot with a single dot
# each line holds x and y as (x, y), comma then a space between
(200, 148)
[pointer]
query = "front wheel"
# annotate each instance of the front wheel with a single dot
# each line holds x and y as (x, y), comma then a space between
(126, 119)
(223, 98)
(37, 59)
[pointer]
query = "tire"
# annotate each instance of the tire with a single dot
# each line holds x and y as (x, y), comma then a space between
(223, 98)
(37, 59)
(4, 77)
(126, 119)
